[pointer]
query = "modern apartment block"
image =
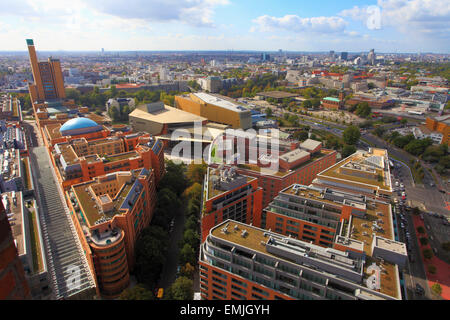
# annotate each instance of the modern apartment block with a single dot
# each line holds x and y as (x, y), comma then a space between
(109, 212)
(229, 195)
(243, 262)
(13, 284)
(216, 108)
(48, 79)
(276, 163)
(364, 172)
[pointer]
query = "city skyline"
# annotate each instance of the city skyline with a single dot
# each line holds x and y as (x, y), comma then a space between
(219, 25)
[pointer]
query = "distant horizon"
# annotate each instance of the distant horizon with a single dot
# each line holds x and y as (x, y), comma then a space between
(225, 51)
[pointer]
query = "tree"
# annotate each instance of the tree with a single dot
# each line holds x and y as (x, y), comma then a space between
(268, 112)
(423, 241)
(300, 135)
(114, 92)
(138, 292)
(114, 113)
(187, 270)
(363, 110)
(432, 269)
(436, 289)
(307, 104)
(421, 230)
(181, 289)
(351, 135)
(191, 237)
(187, 254)
(417, 146)
(150, 250)
(379, 131)
(196, 172)
(427, 253)
(174, 178)
(348, 150)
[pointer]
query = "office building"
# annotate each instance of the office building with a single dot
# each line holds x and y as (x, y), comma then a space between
(364, 172)
(243, 262)
(109, 213)
(48, 79)
(276, 163)
(439, 125)
(216, 108)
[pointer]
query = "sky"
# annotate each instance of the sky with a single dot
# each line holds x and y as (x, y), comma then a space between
(261, 25)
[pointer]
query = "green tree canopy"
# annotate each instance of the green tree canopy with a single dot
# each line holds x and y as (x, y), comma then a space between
(351, 135)
(348, 150)
(181, 289)
(138, 292)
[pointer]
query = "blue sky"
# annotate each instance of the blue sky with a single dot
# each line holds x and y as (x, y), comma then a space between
(294, 25)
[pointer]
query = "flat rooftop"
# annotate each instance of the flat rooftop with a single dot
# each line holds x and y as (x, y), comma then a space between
(325, 196)
(294, 155)
(357, 165)
(377, 222)
(221, 102)
(215, 188)
(91, 209)
(166, 115)
(324, 259)
(282, 173)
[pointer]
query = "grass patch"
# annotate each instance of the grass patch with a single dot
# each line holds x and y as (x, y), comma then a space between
(35, 243)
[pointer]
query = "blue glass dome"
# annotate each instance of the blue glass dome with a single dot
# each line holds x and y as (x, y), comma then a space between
(78, 124)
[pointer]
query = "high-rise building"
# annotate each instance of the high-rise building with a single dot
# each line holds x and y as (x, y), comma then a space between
(344, 56)
(48, 78)
(371, 57)
(229, 195)
(13, 284)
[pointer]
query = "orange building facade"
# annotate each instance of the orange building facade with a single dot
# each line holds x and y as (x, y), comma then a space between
(109, 213)
(440, 125)
(229, 196)
(48, 78)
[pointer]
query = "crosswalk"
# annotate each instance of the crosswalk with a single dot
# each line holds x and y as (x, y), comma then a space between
(71, 277)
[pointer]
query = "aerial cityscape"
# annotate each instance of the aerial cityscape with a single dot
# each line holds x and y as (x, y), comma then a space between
(223, 150)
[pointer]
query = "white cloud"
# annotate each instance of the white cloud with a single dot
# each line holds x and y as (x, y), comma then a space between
(192, 12)
(295, 23)
(428, 17)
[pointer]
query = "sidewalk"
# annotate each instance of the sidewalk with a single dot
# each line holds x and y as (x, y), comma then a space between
(442, 275)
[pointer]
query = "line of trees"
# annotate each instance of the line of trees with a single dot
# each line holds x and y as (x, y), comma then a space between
(96, 100)
(152, 244)
(182, 288)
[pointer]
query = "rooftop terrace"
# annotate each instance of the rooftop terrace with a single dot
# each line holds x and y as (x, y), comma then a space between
(330, 261)
(91, 208)
(361, 168)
